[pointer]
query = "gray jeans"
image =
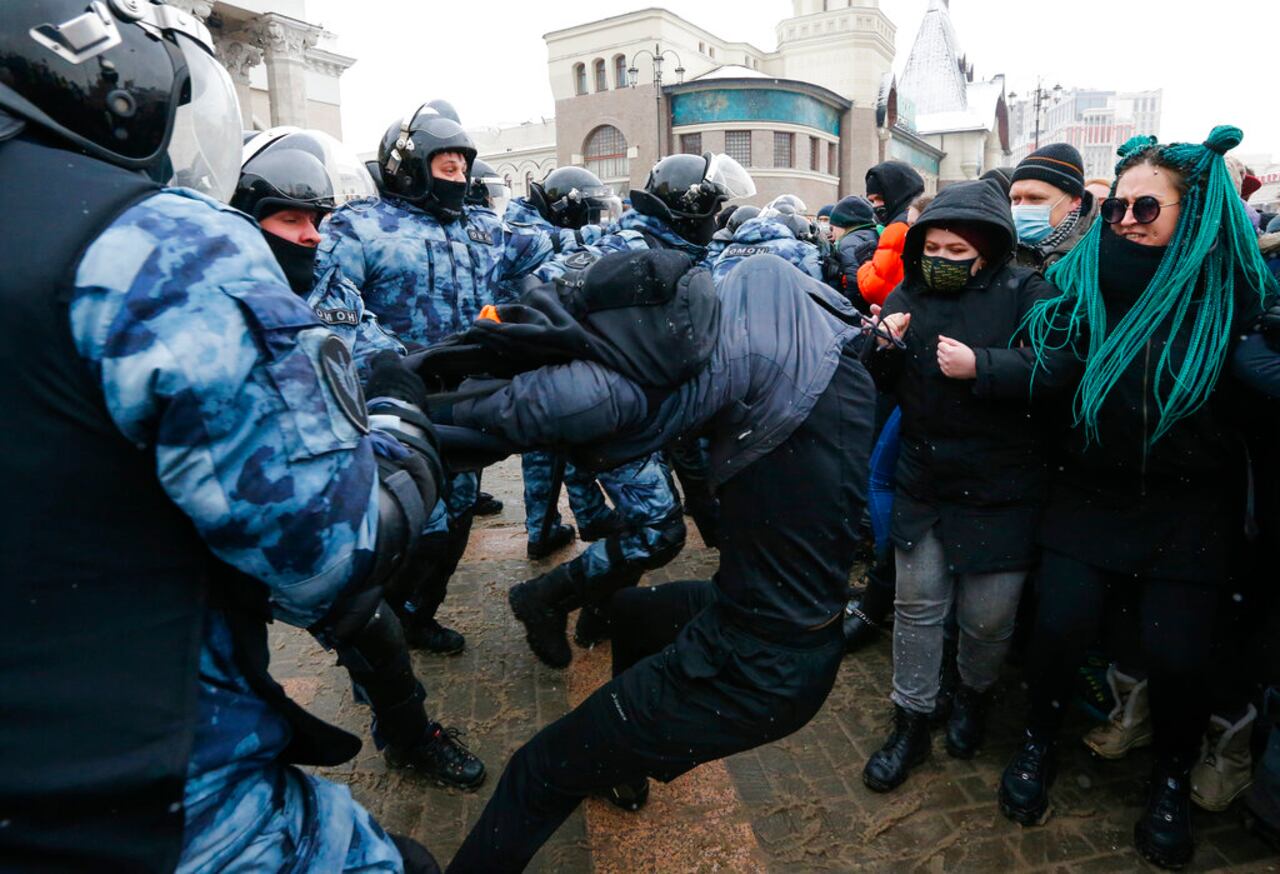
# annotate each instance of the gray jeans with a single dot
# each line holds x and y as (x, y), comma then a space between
(986, 606)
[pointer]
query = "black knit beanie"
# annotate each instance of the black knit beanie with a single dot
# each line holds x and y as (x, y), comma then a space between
(1059, 164)
(853, 212)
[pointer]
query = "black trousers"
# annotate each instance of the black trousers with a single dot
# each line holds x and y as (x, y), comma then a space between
(1175, 623)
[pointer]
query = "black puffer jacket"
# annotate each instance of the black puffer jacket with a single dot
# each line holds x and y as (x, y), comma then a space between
(971, 459)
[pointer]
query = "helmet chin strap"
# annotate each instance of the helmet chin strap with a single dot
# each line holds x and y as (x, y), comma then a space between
(403, 142)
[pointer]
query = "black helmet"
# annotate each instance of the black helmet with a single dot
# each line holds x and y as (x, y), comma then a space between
(445, 108)
(375, 172)
(405, 154)
(680, 193)
(741, 216)
(132, 82)
(799, 225)
(486, 188)
(303, 169)
(571, 197)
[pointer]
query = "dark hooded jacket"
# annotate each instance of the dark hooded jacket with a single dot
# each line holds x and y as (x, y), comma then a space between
(898, 184)
(972, 461)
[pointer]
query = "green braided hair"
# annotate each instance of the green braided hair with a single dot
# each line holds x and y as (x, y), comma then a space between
(1213, 244)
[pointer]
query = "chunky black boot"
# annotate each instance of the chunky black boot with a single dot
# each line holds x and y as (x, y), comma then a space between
(1024, 787)
(558, 538)
(1163, 833)
(967, 725)
(908, 745)
(592, 626)
(542, 605)
(486, 505)
(628, 796)
(440, 756)
(430, 635)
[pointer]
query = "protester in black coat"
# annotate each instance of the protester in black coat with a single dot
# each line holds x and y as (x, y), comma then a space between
(971, 476)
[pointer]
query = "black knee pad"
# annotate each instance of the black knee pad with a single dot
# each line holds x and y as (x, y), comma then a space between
(671, 534)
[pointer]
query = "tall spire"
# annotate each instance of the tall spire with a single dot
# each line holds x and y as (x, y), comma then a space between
(934, 77)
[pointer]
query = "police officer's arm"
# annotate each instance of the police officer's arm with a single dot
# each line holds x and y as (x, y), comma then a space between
(209, 361)
(341, 248)
(522, 252)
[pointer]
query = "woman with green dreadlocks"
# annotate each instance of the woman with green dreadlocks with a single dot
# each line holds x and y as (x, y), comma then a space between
(1159, 302)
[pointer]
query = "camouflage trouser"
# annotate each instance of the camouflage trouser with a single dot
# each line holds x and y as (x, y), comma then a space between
(447, 533)
(654, 529)
(585, 498)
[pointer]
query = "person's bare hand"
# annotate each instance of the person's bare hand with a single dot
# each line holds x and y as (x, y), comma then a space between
(956, 360)
(896, 325)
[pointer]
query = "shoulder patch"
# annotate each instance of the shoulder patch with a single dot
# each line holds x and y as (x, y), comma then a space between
(337, 316)
(479, 235)
(340, 375)
(580, 260)
(746, 251)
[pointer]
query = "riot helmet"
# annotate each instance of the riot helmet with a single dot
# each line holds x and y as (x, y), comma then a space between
(788, 204)
(487, 188)
(445, 108)
(741, 216)
(686, 192)
(405, 154)
(571, 197)
(131, 82)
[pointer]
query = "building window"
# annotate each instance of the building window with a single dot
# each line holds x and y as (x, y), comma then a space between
(815, 154)
(712, 52)
(691, 144)
(783, 148)
(619, 71)
(833, 159)
(606, 152)
(528, 181)
(602, 81)
(579, 78)
(702, 48)
(737, 145)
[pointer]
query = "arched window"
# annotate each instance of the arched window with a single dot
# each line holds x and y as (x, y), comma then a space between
(606, 152)
(619, 71)
(602, 81)
(579, 78)
(506, 179)
(528, 182)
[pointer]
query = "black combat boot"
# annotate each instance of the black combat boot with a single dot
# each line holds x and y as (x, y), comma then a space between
(628, 796)
(1024, 787)
(908, 745)
(430, 635)
(967, 724)
(859, 628)
(542, 605)
(558, 538)
(1163, 833)
(592, 626)
(486, 505)
(440, 756)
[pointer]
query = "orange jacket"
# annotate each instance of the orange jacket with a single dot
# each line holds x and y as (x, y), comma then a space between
(883, 273)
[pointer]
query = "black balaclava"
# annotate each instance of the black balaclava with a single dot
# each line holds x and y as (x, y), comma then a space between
(445, 199)
(298, 262)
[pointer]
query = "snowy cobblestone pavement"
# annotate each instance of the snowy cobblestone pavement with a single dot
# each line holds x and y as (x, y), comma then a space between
(797, 805)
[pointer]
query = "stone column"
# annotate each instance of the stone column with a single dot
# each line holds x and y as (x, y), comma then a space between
(239, 55)
(284, 42)
(201, 9)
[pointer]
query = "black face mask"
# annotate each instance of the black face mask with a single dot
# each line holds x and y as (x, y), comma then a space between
(882, 214)
(445, 199)
(946, 274)
(298, 262)
(698, 231)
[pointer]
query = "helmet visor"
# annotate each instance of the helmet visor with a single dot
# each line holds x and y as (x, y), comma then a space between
(205, 147)
(731, 176)
(603, 210)
(499, 193)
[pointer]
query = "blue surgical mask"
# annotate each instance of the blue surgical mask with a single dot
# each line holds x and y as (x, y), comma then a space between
(1032, 221)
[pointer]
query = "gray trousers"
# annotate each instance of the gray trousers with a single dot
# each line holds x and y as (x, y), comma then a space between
(985, 606)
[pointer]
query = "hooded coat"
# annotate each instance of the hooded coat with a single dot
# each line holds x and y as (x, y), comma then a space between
(971, 460)
(898, 184)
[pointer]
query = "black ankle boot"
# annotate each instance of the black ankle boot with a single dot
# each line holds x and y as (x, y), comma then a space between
(486, 505)
(542, 605)
(860, 629)
(967, 724)
(1024, 787)
(628, 796)
(440, 756)
(430, 635)
(592, 627)
(1163, 833)
(558, 538)
(908, 745)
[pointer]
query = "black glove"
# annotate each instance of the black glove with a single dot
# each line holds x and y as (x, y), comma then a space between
(1269, 326)
(389, 377)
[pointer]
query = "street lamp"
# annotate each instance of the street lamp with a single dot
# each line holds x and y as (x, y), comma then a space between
(656, 56)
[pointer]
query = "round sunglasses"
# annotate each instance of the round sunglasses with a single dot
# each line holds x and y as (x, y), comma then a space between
(1146, 209)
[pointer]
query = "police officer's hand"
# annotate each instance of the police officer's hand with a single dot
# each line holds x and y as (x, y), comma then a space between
(390, 378)
(1269, 325)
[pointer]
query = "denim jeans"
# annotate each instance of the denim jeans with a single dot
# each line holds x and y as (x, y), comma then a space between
(985, 607)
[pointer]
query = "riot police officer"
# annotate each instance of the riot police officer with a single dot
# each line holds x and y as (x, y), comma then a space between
(427, 265)
(184, 419)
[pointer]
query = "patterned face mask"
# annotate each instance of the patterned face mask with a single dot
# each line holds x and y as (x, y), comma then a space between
(944, 274)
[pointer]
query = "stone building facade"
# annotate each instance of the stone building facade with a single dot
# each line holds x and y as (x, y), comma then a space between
(284, 67)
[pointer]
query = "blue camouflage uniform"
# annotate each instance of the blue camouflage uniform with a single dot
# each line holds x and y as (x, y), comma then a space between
(425, 281)
(632, 231)
(207, 359)
(759, 236)
(585, 499)
(336, 302)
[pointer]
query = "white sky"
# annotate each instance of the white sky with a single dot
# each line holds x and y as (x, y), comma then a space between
(487, 56)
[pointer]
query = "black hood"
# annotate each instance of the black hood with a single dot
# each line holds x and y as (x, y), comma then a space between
(898, 184)
(981, 202)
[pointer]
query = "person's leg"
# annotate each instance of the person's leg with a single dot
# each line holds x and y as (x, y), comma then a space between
(595, 518)
(986, 609)
(535, 471)
(1128, 725)
(648, 618)
(447, 538)
(692, 463)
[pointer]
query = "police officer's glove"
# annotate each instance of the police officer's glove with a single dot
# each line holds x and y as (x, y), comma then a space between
(390, 378)
(1269, 325)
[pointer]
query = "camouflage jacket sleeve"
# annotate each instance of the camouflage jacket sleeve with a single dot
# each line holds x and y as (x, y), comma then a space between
(553, 268)
(336, 302)
(207, 360)
(522, 251)
(341, 247)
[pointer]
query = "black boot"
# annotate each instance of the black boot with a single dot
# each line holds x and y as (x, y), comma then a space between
(948, 683)
(1163, 833)
(542, 605)
(606, 526)
(592, 627)
(908, 745)
(628, 796)
(430, 635)
(559, 537)
(859, 628)
(440, 756)
(486, 505)
(1024, 787)
(967, 725)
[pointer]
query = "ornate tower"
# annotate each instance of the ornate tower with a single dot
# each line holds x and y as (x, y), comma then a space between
(843, 45)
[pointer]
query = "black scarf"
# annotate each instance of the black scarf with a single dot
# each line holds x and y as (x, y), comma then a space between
(1125, 269)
